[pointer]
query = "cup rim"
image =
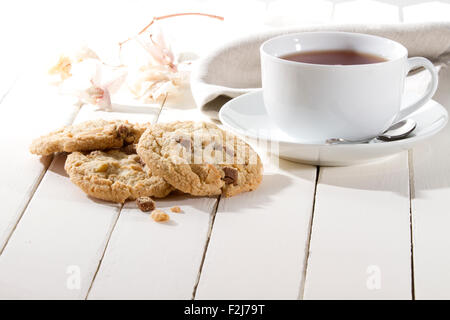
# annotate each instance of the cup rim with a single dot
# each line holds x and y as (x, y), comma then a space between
(325, 66)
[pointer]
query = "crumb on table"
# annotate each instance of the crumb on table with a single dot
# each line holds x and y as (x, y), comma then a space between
(175, 209)
(146, 204)
(159, 216)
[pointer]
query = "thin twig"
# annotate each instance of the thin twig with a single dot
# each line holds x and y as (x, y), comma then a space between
(178, 15)
(172, 16)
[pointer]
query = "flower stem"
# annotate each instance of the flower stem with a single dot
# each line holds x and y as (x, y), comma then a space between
(178, 15)
(166, 17)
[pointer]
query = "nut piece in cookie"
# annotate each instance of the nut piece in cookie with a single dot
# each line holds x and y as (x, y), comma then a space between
(88, 136)
(114, 176)
(146, 204)
(201, 159)
(159, 216)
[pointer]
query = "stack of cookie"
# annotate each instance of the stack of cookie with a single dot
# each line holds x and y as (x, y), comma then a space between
(118, 161)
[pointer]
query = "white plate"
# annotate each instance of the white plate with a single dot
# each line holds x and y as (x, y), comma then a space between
(246, 115)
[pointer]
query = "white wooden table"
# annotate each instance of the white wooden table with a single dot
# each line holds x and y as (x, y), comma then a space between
(377, 231)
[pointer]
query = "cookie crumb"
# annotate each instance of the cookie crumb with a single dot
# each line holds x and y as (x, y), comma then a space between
(146, 204)
(175, 209)
(159, 216)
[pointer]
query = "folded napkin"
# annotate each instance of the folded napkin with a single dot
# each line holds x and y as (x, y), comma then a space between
(234, 68)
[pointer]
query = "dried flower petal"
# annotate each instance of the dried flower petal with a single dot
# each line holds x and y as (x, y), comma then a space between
(158, 48)
(62, 67)
(89, 84)
(153, 82)
(153, 70)
(65, 62)
(84, 53)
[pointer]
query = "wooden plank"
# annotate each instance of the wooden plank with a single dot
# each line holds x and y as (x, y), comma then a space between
(137, 114)
(288, 13)
(6, 84)
(258, 244)
(148, 260)
(426, 12)
(31, 108)
(10, 62)
(58, 244)
(431, 208)
(366, 11)
(360, 244)
(54, 252)
(234, 263)
(182, 114)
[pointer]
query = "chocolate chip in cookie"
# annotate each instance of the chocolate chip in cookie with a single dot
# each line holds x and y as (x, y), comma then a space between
(129, 149)
(185, 142)
(139, 160)
(122, 131)
(228, 151)
(146, 204)
(231, 175)
(217, 146)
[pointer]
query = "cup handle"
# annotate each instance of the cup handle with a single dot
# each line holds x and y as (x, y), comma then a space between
(413, 63)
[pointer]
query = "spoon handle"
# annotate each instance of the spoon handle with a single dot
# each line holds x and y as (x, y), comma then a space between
(344, 141)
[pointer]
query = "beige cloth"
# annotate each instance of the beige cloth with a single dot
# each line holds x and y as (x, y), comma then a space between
(234, 68)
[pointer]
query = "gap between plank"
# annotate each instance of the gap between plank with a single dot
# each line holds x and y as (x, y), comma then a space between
(9, 89)
(411, 225)
(308, 243)
(115, 222)
(104, 251)
(27, 202)
(211, 225)
(34, 189)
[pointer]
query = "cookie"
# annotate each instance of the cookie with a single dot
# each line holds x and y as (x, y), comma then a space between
(88, 136)
(114, 176)
(200, 158)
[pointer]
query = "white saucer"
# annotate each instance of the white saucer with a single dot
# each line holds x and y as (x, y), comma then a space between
(246, 115)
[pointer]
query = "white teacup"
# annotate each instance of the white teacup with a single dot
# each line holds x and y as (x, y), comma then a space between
(314, 102)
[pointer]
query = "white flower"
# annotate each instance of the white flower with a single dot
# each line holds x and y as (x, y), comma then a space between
(84, 53)
(153, 82)
(89, 84)
(147, 60)
(156, 45)
(63, 66)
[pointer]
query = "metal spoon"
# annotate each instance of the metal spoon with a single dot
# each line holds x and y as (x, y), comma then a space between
(397, 131)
